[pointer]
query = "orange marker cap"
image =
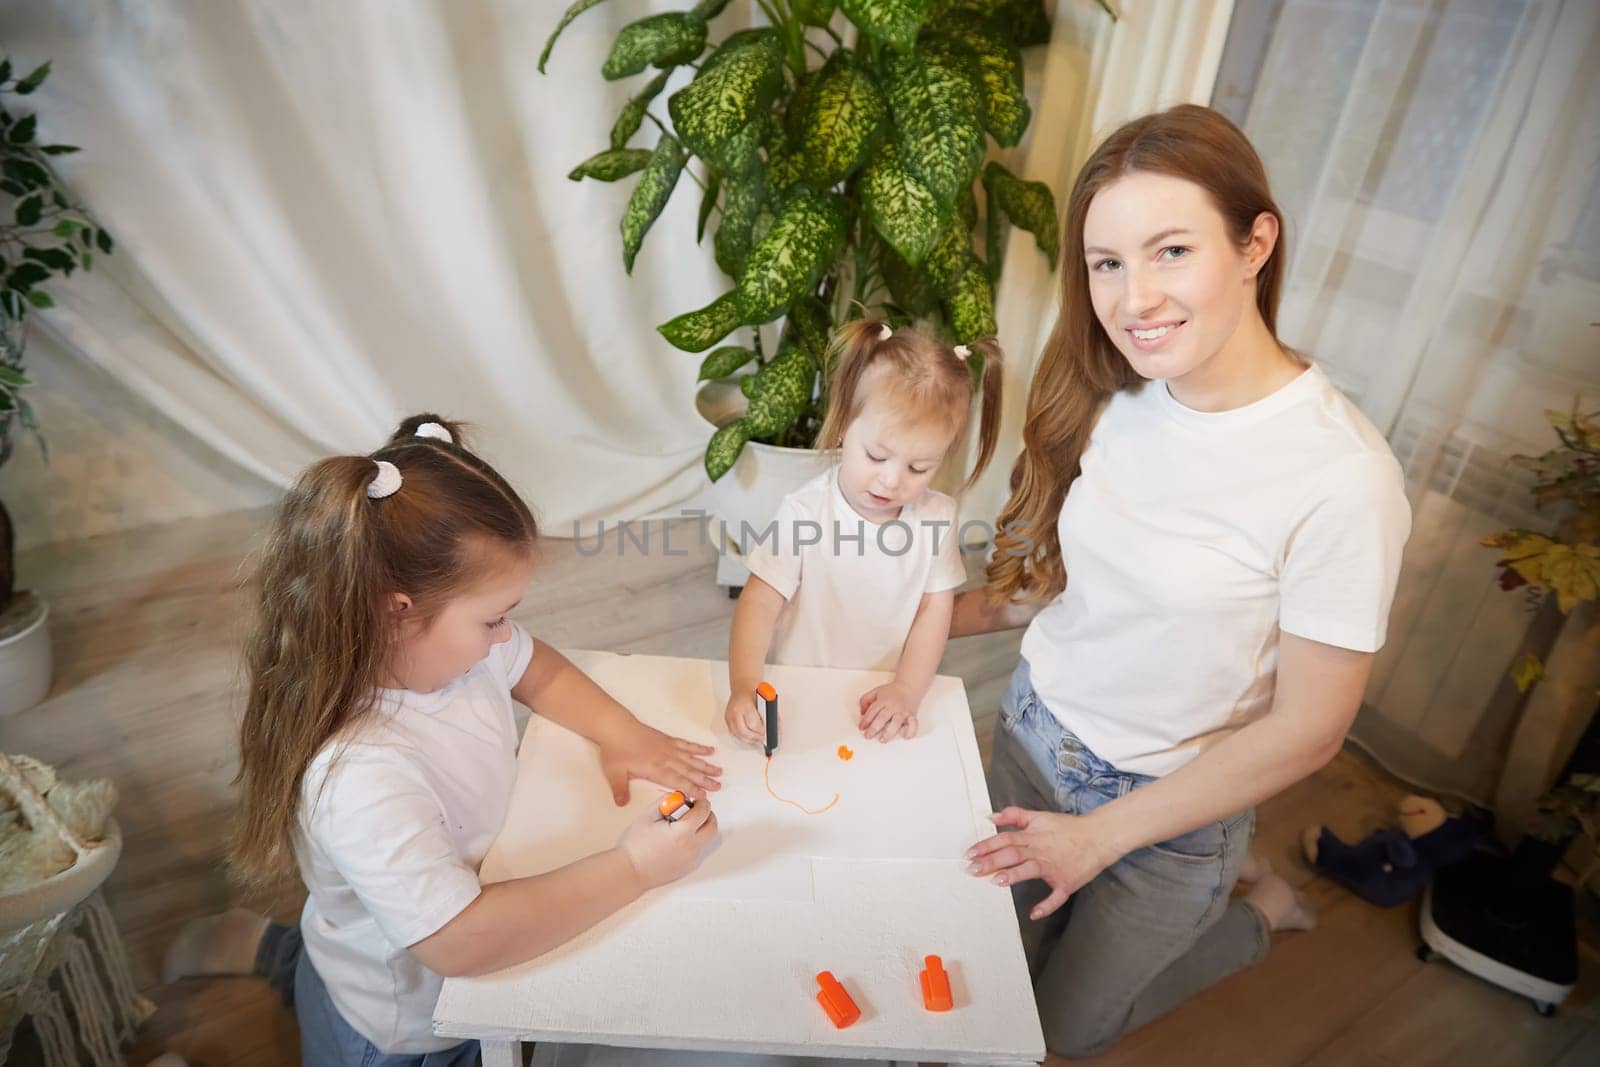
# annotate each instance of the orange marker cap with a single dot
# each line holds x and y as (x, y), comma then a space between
(766, 692)
(835, 1000)
(936, 985)
(673, 804)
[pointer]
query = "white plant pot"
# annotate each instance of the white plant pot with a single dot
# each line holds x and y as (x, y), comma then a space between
(747, 497)
(25, 665)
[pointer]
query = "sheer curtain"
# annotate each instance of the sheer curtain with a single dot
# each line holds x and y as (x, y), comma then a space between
(1439, 164)
(330, 214)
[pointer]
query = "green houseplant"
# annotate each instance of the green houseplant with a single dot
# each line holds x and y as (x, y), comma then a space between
(841, 147)
(1566, 562)
(44, 234)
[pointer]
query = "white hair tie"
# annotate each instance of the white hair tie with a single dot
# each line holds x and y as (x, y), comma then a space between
(962, 351)
(435, 431)
(386, 482)
(885, 333)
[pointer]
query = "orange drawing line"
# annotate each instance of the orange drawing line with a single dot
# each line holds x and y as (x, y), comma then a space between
(786, 800)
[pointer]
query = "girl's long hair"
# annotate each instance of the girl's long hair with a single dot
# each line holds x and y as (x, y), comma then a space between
(319, 645)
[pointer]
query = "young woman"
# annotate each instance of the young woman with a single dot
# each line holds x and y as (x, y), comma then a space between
(1208, 539)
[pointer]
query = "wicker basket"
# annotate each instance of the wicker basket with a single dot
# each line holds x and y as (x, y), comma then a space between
(62, 961)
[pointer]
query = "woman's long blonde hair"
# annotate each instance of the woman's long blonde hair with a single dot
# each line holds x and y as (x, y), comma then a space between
(1080, 368)
(318, 648)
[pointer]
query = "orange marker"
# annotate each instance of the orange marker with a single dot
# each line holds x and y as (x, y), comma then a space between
(835, 1000)
(767, 704)
(935, 985)
(674, 806)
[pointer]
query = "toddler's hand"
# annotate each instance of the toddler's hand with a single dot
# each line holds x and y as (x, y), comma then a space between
(744, 719)
(888, 712)
(663, 851)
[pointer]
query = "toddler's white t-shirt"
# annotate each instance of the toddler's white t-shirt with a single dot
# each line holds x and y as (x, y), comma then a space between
(853, 587)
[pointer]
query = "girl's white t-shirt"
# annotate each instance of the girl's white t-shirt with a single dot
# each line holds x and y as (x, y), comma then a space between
(853, 587)
(394, 820)
(1190, 540)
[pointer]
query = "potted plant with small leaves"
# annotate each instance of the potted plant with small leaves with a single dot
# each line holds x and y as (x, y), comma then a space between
(44, 234)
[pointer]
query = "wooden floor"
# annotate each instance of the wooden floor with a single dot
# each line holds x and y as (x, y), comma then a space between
(146, 628)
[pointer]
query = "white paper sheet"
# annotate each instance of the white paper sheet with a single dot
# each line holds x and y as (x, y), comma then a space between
(908, 799)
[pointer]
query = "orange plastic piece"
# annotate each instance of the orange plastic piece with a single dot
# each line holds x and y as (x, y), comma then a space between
(674, 806)
(935, 985)
(835, 1000)
(766, 691)
(845, 753)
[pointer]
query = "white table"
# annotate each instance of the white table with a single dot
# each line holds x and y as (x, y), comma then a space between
(726, 959)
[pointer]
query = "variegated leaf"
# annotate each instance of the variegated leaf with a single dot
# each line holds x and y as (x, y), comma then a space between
(633, 111)
(949, 258)
(782, 392)
(789, 260)
(900, 207)
(742, 201)
(895, 22)
(995, 66)
(725, 101)
(708, 203)
(938, 135)
(571, 13)
(1029, 206)
(724, 361)
(665, 40)
(696, 331)
(722, 451)
(611, 165)
(840, 123)
(969, 307)
(650, 195)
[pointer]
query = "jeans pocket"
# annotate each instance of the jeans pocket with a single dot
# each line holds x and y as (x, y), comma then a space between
(1200, 846)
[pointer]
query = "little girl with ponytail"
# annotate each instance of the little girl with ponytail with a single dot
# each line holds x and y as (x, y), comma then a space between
(865, 561)
(378, 751)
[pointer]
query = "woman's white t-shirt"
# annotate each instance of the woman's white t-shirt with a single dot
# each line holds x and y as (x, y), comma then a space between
(853, 587)
(394, 821)
(1190, 540)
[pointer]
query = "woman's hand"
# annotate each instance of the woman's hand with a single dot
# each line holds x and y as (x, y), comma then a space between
(888, 712)
(645, 752)
(1063, 850)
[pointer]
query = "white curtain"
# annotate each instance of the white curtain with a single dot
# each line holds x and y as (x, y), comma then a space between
(1439, 164)
(332, 214)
